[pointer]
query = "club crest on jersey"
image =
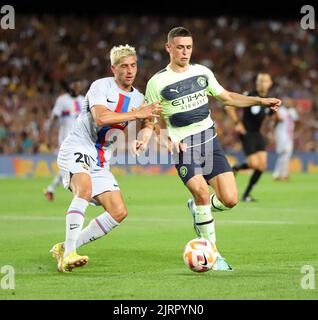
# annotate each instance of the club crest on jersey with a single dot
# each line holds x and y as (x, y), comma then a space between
(202, 82)
(85, 166)
(183, 171)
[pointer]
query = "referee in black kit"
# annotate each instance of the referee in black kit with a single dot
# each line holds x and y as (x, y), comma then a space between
(249, 129)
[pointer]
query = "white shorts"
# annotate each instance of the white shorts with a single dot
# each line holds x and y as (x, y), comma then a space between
(83, 160)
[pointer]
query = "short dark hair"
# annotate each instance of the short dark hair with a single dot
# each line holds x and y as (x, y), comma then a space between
(263, 72)
(178, 32)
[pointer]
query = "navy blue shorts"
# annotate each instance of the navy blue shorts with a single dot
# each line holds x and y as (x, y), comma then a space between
(206, 157)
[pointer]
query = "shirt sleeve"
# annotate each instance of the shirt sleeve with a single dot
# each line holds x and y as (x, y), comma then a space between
(152, 93)
(214, 88)
(295, 115)
(58, 108)
(142, 100)
(281, 113)
(96, 96)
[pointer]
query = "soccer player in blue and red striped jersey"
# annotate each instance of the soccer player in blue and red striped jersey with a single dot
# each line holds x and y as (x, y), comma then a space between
(85, 154)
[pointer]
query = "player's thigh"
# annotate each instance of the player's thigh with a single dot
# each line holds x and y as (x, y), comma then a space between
(105, 190)
(113, 203)
(225, 188)
(75, 167)
(81, 185)
(188, 165)
(253, 161)
(199, 188)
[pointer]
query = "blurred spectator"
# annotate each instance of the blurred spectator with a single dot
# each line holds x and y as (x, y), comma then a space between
(44, 50)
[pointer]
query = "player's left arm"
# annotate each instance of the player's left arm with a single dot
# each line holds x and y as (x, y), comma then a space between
(234, 99)
(143, 136)
(240, 101)
(148, 125)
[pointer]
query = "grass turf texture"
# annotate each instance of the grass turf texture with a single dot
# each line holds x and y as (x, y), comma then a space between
(267, 243)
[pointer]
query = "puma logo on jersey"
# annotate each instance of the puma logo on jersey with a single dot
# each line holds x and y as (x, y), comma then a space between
(174, 90)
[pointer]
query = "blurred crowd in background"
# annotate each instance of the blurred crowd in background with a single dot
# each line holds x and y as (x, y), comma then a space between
(44, 50)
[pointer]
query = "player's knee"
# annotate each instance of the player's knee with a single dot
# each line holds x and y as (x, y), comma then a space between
(119, 213)
(84, 194)
(254, 165)
(230, 200)
(124, 213)
(262, 167)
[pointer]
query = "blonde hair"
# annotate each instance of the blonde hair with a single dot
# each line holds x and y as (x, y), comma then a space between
(117, 53)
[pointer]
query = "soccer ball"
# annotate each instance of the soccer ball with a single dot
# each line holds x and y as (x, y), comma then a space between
(200, 255)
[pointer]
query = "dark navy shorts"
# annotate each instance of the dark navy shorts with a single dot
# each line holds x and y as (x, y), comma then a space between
(206, 157)
(252, 142)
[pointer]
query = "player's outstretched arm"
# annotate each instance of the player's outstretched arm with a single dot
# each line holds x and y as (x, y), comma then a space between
(239, 100)
(104, 116)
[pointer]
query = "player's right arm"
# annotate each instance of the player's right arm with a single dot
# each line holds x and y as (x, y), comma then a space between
(148, 125)
(104, 116)
(153, 94)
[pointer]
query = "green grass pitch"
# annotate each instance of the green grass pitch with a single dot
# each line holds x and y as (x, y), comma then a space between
(267, 243)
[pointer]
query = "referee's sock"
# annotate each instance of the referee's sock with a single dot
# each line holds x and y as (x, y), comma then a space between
(242, 166)
(253, 180)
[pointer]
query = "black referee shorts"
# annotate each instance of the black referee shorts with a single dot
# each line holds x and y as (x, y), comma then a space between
(252, 142)
(205, 158)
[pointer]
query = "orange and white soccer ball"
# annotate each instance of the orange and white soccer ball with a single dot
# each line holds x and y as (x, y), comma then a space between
(200, 255)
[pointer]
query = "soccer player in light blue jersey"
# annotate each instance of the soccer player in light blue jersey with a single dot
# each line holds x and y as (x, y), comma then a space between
(183, 89)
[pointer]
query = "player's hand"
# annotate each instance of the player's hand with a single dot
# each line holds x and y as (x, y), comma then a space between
(148, 111)
(240, 128)
(176, 147)
(273, 103)
(138, 146)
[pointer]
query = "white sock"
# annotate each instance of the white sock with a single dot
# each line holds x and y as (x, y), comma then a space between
(58, 179)
(74, 223)
(205, 222)
(97, 228)
(217, 205)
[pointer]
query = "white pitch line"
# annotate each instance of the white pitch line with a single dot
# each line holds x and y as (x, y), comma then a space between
(135, 219)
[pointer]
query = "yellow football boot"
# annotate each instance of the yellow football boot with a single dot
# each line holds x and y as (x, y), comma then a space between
(73, 260)
(58, 253)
